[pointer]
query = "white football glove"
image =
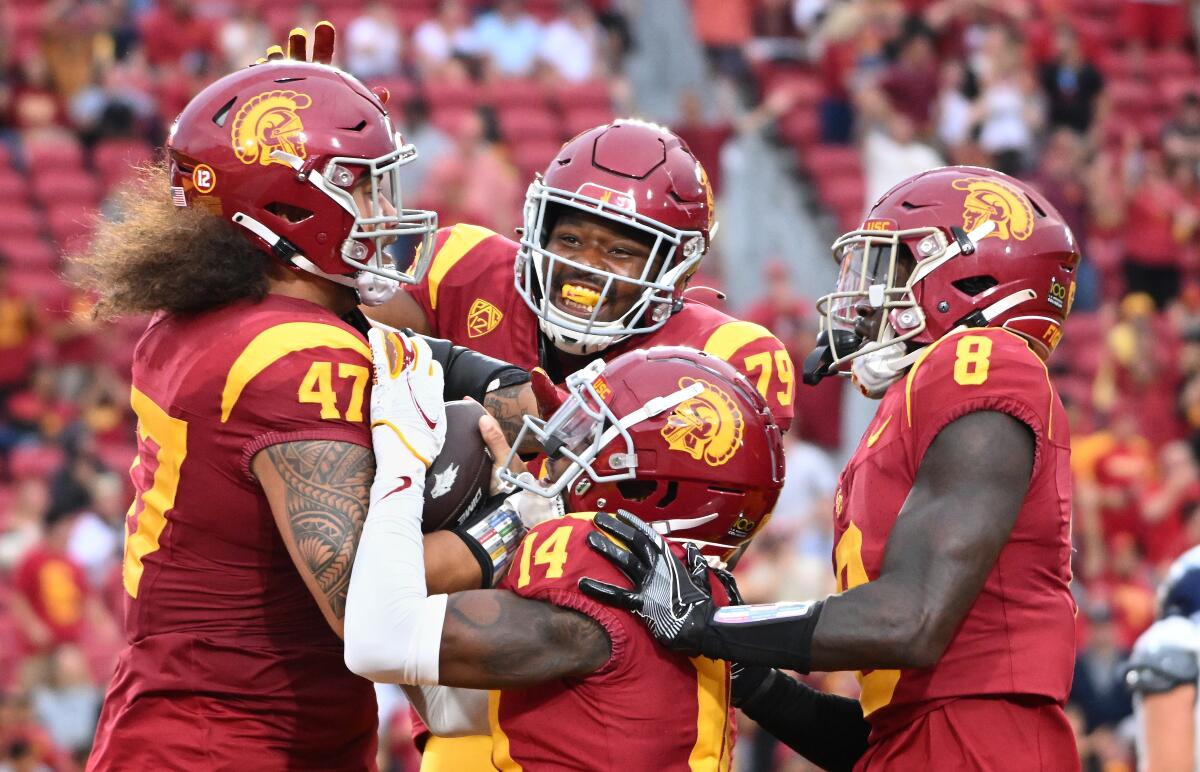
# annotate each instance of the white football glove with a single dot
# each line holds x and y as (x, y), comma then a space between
(408, 409)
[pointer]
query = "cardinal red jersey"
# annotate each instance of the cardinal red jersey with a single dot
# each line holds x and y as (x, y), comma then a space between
(646, 708)
(469, 297)
(1018, 638)
(229, 662)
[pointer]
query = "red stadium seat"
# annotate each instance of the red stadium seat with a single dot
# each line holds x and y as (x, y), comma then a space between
(63, 153)
(515, 93)
(68, 222)
(13, 185)
(450, 120)
(444, 95)
(400, 90)
(582, 119)
(532, 158)
(118, 159)
(526, 125)
(45, 286)
(595, 93)
(18, 219)
(73, 185)
(833, 160)
(29, 461)
(28, 252)
(800, 128)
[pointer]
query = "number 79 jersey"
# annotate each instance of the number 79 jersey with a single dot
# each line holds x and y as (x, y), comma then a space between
(646, 708)
(1018, 637)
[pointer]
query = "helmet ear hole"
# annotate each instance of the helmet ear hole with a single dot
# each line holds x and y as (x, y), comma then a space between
(289, 212)
(975, 285)
(637, 490)
(671, 494)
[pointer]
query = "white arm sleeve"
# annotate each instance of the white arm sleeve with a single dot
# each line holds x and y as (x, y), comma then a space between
(393, 632)
(449, 711)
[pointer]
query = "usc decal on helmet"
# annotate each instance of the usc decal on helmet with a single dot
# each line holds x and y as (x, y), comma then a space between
(708, 427)
(268, 121)
(991, 199)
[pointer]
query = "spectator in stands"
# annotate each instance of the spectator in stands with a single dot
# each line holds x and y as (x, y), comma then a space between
(1154, 226)
(1098, 688)
(242, 37)
(953, 112)
(1070, 82)
(1170, 503)
(724, 27)
(1061, 176)
(175, 37)
(23, 529)
(1181, 136)
(24, 745)
(19, 323)
(68, 702)
(572, 43)
(508, 39)
(1154, 22)
(373, 42)
(1008, 109)
(37, 110)
(891, 149)
(474, 182)
(443, 36)
(911, 82)
(117, 104)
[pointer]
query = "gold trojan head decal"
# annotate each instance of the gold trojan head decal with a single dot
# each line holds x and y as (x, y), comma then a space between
(994, 200)
(269, 121)
(708, 427)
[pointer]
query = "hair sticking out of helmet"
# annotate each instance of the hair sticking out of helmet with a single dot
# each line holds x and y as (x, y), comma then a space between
(304, 160)
(636, 178)
(954, 247)
(676, 436)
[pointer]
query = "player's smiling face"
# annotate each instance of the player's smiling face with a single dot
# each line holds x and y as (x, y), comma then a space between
(601, 244)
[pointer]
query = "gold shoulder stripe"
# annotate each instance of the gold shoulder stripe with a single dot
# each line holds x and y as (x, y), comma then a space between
(912, 372)
(274, 343)
(731, 336)
(463, 238)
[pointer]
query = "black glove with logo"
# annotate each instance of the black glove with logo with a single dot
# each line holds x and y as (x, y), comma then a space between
(669, 594)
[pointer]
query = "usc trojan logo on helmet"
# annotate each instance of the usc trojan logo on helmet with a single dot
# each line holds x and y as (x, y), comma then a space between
(269, 121)
(708, 427)
(995, 201)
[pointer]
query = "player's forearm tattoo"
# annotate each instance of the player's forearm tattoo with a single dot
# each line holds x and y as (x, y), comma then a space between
(506, 406)
(328, 487)
(497, 639)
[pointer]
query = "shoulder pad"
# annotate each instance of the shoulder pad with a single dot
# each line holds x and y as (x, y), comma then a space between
(1160, 670)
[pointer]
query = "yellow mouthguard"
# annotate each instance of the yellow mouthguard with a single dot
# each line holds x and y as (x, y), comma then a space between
(581, 295)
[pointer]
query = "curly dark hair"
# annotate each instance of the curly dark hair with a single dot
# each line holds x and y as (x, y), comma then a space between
(156, 256)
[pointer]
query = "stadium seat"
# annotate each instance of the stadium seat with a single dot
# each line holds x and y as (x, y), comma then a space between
(28, 252)
(68, 222)
(45, 286)
(444, 95)
(515, 93)
(118, 159)
(800, 128)
(62, 185)
(595, 93)
(584, 118)
(526, 124)
(18, 219)
(533, 157)
(64, 153)
(400, 90)
(824, 161)
(34, 460)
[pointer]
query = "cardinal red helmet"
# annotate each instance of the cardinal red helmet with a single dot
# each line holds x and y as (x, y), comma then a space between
(642, 177)
(304, 157)
(952, 247)
(678, 437)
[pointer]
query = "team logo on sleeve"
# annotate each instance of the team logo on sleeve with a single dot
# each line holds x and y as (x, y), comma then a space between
(996, 201)
(482, 318)
(267, 122)
(708, 427)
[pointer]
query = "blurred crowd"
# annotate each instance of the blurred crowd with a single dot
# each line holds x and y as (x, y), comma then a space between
(1095, 101)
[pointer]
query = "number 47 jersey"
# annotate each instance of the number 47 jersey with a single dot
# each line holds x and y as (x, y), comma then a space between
(223, 637)
(1018, 637)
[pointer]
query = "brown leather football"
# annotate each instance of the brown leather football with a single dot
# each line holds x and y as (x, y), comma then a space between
(458, 479)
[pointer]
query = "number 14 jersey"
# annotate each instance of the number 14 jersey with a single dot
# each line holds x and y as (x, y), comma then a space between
(1019, 635)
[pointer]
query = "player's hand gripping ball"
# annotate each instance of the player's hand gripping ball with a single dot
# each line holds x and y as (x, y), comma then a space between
(408, 414)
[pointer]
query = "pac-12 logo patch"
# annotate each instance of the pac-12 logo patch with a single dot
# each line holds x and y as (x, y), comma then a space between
(482, 318)
(708, 426)
(268, 121)
(989, 199)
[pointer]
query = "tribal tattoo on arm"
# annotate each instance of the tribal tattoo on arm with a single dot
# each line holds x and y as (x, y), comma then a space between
(319, 491)
(495, 639)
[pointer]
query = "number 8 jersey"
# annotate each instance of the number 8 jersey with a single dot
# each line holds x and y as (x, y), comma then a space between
(226, 647)
(1018, 638)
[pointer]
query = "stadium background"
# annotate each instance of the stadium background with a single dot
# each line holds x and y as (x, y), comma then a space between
(802, 111)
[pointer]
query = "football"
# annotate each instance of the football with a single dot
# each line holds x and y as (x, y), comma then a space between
(458, 479)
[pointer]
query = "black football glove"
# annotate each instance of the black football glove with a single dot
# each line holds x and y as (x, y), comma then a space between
(669, 594)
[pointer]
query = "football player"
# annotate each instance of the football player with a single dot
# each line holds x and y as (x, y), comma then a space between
(1164, 675)
(613, 232)
(952, 518)
(254, 453)
(675, 435)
